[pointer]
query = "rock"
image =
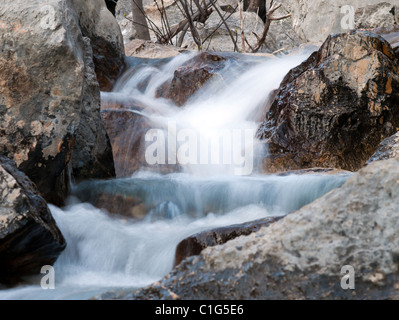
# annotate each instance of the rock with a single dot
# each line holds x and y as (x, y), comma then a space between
(29, 236)
(335, 108)
(314, 20)
(146, 49)
(191, 76)
(194, 244)
(378, 15)
(98, 24)
(126, 130)
(301, 256)
(40, 121)
(389, 148)
(92, 152)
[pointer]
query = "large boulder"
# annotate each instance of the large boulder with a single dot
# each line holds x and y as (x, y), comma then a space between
(49, 96)
(29, 237)
(302, 255)
(335, 108)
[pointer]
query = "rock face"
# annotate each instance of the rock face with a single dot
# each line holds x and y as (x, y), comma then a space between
(92, 152)
(29, 237)
(191, 76)
(382, 14)
(301, 256)
(97, 23)
(194, 244)
(126, 130)
(335, 108)
(314, 20)
(389, 148)
(49, 99)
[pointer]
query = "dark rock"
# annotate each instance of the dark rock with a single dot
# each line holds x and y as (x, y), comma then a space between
(335, 108)
(191, 76)
(194, 244)
(29, 236)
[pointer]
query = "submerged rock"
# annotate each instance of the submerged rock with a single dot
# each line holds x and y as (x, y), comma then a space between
(49, 96)
(335, 108)
(29, 236)
(301, 256)
(194, 244)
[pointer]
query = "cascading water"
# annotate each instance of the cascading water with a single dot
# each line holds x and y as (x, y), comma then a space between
(106, 252)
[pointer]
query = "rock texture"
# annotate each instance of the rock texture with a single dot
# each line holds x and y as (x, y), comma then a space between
(301, 256)
(29, 237)
(97, 23)
(335, 108)
(389, 148)
(49, 96)
(191, 76)
(194, 244)
(314, 20)
(126, 130)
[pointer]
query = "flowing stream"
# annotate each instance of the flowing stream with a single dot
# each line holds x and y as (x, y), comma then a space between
(107, 251)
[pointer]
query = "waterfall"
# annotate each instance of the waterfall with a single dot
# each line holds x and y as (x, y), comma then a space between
(107, 251)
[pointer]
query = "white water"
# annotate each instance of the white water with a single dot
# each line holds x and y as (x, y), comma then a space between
(106, 252)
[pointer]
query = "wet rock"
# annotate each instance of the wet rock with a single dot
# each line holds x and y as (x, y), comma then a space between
(335, 108)
(126, 130)
(29, 236)
(49, 95)
(191, 76)
(194, 244)
(301, 256)
(389, 148)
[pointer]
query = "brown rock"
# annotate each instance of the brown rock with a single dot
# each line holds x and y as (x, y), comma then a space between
(191, 76)
(335, 108)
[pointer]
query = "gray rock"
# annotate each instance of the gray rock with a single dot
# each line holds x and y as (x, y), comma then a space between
(301, 256)
(382, 14)
(29, 236)
(389, 148)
